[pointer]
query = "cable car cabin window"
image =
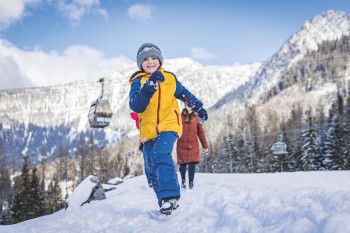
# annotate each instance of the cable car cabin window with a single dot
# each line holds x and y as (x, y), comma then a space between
(103, 109)
(92, 109)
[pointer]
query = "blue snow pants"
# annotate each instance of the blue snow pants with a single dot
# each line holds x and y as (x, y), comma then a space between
(161, 166)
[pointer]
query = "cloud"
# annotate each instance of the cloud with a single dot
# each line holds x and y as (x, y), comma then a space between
(202, 54)
(13, 10)
(20, 69)
(141, 12)
(76, 9)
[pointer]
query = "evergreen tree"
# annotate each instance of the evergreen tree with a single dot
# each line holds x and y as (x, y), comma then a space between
(346, 135)
(294, 133)
(333, 140)
(21, 207)
(5, 184)
(310, 158)
(36, 197)
(55, 201)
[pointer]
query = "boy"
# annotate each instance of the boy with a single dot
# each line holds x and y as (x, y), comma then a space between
(153, 95)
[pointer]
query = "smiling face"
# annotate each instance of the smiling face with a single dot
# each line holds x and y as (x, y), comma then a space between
(150, 64)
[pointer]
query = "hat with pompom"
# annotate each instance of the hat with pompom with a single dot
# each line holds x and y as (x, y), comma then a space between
(147, 50)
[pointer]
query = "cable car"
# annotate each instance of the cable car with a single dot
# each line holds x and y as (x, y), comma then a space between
(279, 148)
(100, 113)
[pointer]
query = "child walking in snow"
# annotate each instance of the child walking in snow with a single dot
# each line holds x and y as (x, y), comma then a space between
(153, 95)
(187, 148)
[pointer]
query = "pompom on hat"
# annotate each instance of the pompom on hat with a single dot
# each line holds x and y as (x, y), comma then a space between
(146, 50)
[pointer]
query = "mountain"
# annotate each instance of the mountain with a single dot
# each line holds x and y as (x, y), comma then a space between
(276, 202)
(40, 117)
(34, 118)
(328, 27)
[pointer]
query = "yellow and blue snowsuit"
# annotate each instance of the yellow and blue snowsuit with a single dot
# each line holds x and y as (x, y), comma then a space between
(160, 126)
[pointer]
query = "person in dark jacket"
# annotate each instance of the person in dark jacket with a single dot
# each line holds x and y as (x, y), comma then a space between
(153, 96)
(188, 152)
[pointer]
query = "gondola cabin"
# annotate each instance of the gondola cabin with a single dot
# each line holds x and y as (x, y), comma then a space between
(100, 113)
(279, 148)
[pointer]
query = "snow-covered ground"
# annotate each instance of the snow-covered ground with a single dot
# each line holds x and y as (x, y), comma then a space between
(281, 202)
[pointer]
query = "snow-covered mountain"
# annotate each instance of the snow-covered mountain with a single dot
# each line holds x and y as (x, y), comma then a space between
(328, 26)
(37, 117)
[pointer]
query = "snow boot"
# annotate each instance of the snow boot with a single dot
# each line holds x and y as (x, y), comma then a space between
(168, 205)
(183, 184)
(190, 185)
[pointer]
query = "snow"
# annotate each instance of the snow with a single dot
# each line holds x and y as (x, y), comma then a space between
(81, 193)
(297, 202)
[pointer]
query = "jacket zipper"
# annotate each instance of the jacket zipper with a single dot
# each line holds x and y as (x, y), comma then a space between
(158, 108)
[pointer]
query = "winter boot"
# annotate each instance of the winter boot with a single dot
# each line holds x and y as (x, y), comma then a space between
(190, 185)
(183, 184)
(168, 205)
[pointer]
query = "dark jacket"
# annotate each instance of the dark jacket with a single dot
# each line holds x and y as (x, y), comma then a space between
(188, 145)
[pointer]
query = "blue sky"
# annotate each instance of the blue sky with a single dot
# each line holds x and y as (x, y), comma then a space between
(211, 32)
(227, 31)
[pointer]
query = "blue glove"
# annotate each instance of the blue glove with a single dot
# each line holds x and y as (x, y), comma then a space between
(203, 115)
(197, 105)
(150, 86)
(148, 89)
(156, 77)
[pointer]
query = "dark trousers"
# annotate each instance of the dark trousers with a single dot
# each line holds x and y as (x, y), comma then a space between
(159, 166)
(191, 171)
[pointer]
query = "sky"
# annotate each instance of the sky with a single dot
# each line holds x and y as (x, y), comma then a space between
(295, 202)
(90, 35)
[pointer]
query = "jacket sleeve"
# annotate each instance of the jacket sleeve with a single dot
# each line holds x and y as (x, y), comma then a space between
(138, 102)
(186, 96)
(201, 135)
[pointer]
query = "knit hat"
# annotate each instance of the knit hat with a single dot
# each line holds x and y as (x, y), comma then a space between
(146, 50)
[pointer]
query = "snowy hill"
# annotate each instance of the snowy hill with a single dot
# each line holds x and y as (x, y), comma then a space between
(300, 202)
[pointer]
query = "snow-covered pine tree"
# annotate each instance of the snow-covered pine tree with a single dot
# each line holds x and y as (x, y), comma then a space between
(310, 159)
(333, 140)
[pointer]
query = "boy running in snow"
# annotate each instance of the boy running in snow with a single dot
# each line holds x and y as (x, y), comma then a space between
(153, 95)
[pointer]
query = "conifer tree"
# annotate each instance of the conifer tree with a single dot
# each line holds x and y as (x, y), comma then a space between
(36, 197)
(55, 202)
(310, 159)
(21, 207)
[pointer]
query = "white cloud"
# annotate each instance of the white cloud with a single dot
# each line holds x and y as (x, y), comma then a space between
(12, 10)
(76, 9)
(141, 12)
(19, 69)
(202, 54)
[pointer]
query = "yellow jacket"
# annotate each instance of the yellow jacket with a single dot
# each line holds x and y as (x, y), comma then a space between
(162, 113)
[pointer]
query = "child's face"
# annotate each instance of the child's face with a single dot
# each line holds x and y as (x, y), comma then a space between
(150, 64)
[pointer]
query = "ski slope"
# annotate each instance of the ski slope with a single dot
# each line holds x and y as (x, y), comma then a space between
(297, 202)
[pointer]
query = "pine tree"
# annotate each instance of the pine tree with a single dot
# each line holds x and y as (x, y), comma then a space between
(333, 140)
(295, 126)
(21, 207)
(310, 158)
(5, 184)
(55, 202)
(36, 197)
(346, 136)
